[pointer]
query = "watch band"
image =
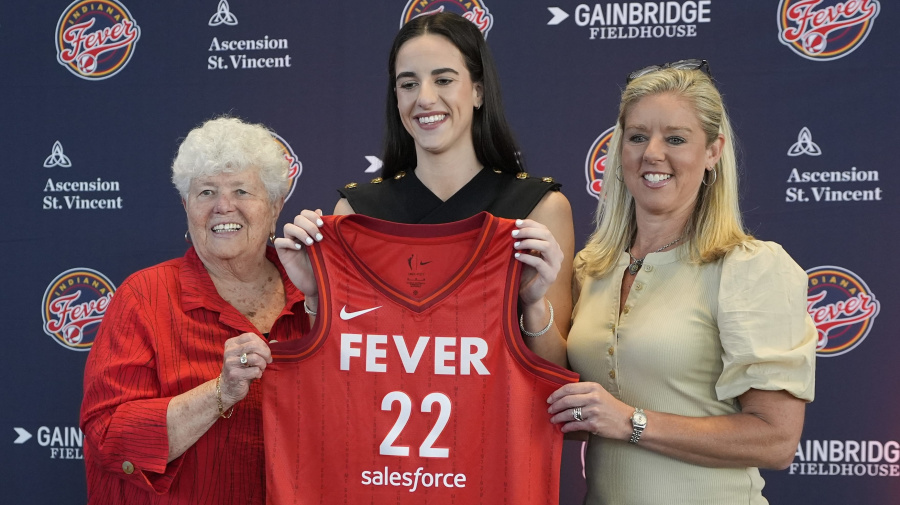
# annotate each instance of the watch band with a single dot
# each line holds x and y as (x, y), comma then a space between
(638, 423)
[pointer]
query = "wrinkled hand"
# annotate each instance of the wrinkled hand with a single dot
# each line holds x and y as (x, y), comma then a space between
(303, 231)
(603, 415)
(236, 377)
(542, 257)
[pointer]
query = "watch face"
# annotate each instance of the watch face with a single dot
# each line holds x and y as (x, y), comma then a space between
(639, 418)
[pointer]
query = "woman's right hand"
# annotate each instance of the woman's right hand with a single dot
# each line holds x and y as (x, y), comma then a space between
(303, 231)
(184, 423)
(237, 376)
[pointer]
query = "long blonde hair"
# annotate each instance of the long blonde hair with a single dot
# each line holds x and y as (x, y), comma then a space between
(715, 226)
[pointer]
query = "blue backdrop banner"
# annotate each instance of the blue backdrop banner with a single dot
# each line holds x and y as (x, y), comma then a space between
(97, 95)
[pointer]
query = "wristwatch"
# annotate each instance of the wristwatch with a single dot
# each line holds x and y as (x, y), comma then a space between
(638, 423)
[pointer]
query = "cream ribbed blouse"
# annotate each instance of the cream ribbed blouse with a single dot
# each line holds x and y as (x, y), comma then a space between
(689, 341)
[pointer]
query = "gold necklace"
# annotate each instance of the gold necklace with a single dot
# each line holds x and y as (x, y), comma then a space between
(636, 264)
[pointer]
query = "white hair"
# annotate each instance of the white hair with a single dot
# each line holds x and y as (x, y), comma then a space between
(229, 145)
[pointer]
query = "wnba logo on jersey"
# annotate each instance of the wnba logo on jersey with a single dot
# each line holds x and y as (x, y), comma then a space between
(475, 11)
(842, 307)
(95, 39)
(595, 164)
(73, 306)
(828, 32)
(295, 168)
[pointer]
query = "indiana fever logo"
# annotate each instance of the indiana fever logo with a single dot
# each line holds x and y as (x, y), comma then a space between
(295, 169)
(825, 32)
(95, 39)
(73, 306)
(475, 11)
(595, 164)
(842, 307)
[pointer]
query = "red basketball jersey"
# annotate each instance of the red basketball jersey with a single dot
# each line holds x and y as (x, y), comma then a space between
(414, 385)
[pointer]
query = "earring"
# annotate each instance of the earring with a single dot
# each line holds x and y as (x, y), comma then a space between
(714, 177)
(619, 172)
(272, 237)
(187, 236)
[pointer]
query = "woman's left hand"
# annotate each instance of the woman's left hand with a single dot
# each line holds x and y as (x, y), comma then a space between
(304, 230)
(602, 414)
(538, 250)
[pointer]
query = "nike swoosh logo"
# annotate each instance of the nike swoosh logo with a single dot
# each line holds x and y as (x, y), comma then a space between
(346, 316)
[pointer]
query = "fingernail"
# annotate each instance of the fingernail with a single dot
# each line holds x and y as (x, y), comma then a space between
(309, 241)
(516, 245)
(319, 222)
(297, 246)
(517, 255)
(518, 222)
(319, 237)
(515, 233)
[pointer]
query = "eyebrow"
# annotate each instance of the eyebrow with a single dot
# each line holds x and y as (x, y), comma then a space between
(667, 129)
(206, 182)
(437, 71)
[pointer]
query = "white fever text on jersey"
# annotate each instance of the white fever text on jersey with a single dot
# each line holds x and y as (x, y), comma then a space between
(375, 347)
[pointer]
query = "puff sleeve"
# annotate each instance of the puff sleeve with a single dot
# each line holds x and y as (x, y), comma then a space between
(768, 338)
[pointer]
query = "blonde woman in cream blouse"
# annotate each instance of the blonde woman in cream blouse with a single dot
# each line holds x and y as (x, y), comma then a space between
(692, 338)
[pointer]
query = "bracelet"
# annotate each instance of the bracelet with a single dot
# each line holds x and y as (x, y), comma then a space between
(308, 310)
(538, 333)
(219, 400)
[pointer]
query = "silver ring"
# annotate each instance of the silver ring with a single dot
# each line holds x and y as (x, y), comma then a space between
(576, 413)
(244, 359)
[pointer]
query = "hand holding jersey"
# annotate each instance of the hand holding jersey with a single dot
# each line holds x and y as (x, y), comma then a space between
(304, 230)
(601, 414)
(244, 360)
(543, 257)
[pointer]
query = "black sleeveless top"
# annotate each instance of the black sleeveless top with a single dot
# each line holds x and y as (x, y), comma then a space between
(404, 199)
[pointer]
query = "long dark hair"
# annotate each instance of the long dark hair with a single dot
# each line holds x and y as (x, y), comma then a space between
(492, 137)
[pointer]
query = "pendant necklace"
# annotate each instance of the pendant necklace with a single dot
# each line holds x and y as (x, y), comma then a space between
(636, 264)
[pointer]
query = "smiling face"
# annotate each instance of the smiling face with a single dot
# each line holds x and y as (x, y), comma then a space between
(435, 95)
(665, 155)
(230, 216)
